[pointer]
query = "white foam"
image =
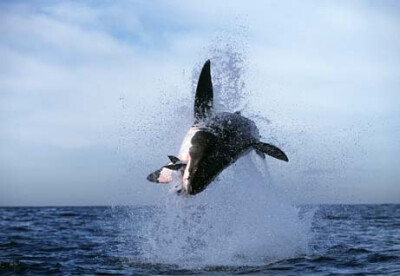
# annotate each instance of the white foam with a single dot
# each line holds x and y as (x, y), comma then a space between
(240, 219)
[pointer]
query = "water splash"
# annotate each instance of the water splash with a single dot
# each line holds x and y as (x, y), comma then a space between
(228, 70)
(241, 218)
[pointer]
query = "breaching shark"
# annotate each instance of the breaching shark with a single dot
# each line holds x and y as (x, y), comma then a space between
(215, 141)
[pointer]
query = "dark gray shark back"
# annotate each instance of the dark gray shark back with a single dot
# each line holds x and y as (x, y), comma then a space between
(226, 137)
(234, 129)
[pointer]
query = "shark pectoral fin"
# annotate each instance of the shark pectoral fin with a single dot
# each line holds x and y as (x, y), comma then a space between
(163, 175)
(260, 153)
(203, 101)
(271, 150)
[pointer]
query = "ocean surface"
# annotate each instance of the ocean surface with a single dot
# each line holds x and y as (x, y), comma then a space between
(342, 239)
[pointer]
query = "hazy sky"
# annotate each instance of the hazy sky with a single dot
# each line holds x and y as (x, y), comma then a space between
(95, 94)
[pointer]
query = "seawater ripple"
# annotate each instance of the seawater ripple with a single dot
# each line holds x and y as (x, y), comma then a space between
(347, 239)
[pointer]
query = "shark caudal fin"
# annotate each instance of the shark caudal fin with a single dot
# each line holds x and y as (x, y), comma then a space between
(271, 150)
(203, 101)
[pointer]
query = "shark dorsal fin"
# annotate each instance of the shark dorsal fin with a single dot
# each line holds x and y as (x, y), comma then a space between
(203, 101)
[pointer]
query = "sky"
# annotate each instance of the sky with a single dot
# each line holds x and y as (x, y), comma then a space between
(95, 94)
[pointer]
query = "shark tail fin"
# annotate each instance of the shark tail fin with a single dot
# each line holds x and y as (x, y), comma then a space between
(271, 150)
(203, 101)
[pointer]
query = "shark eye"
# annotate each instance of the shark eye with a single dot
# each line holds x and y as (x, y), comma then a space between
(194, 170)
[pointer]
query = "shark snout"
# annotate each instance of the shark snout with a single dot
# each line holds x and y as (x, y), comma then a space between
(187, 185)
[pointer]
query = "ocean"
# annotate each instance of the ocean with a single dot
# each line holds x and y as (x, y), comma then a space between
(340, 240)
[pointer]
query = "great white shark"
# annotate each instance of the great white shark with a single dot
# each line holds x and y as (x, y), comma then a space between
(215, 141)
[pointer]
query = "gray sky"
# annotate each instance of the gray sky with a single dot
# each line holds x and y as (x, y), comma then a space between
(90, 91)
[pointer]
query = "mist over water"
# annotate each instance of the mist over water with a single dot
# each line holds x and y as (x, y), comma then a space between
(242, 218)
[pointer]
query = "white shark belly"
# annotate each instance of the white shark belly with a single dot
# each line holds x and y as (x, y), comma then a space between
(184, 154)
